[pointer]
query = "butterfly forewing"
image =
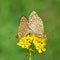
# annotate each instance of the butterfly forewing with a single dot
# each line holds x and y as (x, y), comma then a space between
(36, 24)
(23, 28)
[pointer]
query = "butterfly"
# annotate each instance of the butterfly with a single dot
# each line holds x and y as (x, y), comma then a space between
(32, 25)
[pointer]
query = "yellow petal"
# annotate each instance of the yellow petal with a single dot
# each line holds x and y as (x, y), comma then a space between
(40, 51)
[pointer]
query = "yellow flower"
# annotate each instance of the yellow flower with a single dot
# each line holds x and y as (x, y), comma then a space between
(24, 43)
(39, 42)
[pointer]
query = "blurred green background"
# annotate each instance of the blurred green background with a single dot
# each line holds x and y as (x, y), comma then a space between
(10, 14)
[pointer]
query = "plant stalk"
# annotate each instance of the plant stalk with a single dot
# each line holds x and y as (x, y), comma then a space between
(30, 54)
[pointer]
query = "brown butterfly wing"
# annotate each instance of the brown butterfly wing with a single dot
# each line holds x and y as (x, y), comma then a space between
(36, 24)
(23, 28)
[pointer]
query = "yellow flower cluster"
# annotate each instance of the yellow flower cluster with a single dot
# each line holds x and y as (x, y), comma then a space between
(39, 42)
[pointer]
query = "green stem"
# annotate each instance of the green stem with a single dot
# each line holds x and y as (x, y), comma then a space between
(30, 55)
